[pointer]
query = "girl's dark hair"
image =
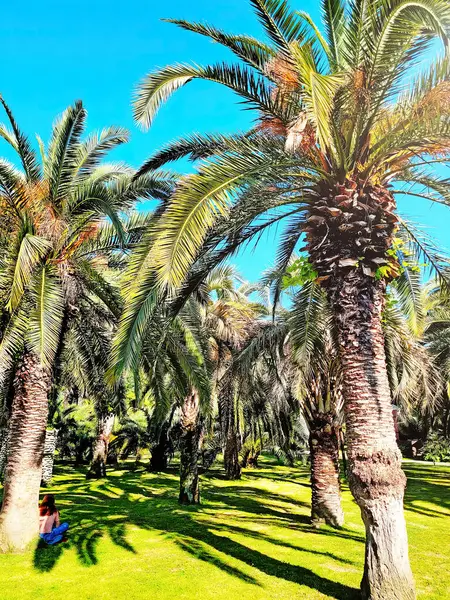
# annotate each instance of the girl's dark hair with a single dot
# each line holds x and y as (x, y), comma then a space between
(47, 506)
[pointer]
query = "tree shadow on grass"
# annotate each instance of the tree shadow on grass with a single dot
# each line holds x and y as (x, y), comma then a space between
(149, 502)
(427, 484)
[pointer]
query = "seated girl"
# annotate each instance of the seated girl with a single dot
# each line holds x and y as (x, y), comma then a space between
(50, 528)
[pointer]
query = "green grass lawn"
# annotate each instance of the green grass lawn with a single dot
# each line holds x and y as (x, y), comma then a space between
(130, 540)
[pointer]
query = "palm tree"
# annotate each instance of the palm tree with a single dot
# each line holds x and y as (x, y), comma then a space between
(230, 319)
(345, 121)
(58, 206)
(318, 386)
(300, 350)
(173, 358)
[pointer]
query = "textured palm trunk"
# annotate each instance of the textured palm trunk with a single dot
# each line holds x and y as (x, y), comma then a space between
(325, 486)
(231, 455)
(231, 446)
(244, 458)
(159, 460)
(349, 233)
(51, 436)
(19, 523)
(161, 451)
(3, 450)
(375, 475)
(189, 450)
(100, 454)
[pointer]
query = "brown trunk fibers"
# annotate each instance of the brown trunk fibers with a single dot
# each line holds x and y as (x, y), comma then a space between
(325, 486)
(189, 449)
(349, 232)
(100, 455)
(19, 523)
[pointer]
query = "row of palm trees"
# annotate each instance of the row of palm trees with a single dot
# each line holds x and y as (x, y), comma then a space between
(345, 121)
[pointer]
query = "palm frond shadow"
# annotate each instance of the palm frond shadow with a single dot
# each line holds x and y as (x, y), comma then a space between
(146, 501)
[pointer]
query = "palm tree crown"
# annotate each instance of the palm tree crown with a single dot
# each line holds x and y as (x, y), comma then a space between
(345, 121)
(66, 216)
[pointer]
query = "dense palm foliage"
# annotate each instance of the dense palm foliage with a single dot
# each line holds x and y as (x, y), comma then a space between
(128, 335)
(344, 120)
(61, 208)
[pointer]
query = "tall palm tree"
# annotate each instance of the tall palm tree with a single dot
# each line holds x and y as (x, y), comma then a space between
(174, 358)
(58, 204)
(345, 116)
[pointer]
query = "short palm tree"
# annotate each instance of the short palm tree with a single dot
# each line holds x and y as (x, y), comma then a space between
(230, 318)
(317, 383)
(300, 349)
(346, 120)
(174, 361)
(58, 205)
(417, 325)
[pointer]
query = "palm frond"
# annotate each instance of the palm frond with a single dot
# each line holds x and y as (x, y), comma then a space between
(21, 144)
(96, 147)
(157, 87)
(280, 23)
(62, 152)
(46, 318)
(255, 53)
(31, 251)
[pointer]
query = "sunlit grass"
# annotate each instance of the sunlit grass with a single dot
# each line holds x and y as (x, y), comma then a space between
(129, 539)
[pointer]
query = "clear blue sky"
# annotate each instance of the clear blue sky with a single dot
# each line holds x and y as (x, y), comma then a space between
(54, 52)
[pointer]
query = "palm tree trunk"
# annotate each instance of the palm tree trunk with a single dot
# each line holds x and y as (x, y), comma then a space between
(325, 487)
(162, 450)
(19, 523)
(244, 459)
(252, 461)
(375, 475)
(189, 450)
(350, 230)
(160, 455)
(105, 425)
(231, 447)
(231, 455)
(3, 450)
(51, 436)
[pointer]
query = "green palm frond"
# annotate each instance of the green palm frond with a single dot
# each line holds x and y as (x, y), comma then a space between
(134, 324)
(31, 251)
(201, 199)
(12, 341)
(46, 318)
(280, 23)
(96, 284)
(255, 53)
(309, 321)
(335, 25)
(62, 151)
(157, 87)
(95, 148)
(21, 144)
(424, 250)
(408, 293)
(194, 147)
(290, 239)
(12, 185)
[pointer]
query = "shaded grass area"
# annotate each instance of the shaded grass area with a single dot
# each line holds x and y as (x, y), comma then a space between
(130, 539)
